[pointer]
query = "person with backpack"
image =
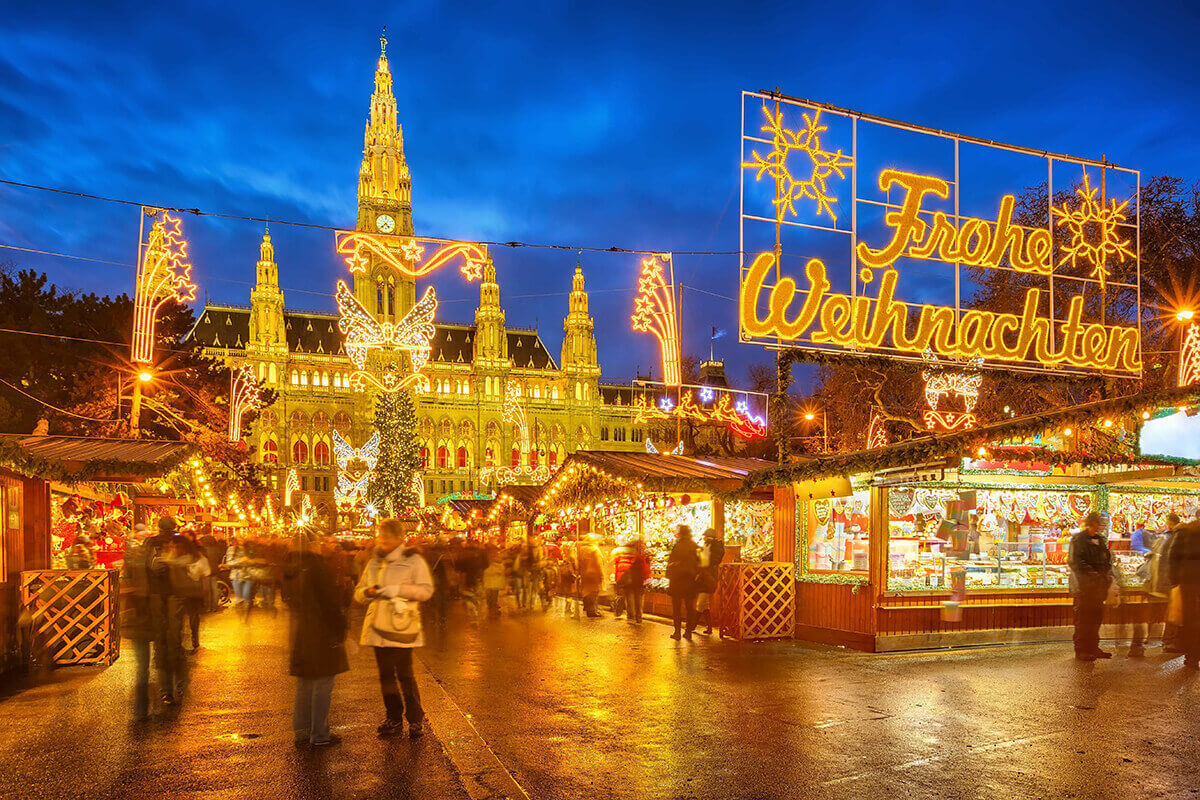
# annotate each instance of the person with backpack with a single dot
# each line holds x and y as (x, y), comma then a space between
(393, 584)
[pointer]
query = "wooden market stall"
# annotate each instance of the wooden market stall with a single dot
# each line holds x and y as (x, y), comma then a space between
(963, 538)
(622, 496)
(71, 613)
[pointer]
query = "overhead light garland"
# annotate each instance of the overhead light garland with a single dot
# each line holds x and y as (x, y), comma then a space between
(655, 312)
(406, 255)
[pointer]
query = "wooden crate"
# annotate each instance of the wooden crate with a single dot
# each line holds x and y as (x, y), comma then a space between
(757, 601)
(75, 614)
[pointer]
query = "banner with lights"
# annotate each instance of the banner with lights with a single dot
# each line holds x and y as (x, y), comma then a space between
(406, 255)
(742, 412)
(865, 236)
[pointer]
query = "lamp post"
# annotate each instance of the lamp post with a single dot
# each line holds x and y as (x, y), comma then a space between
(135, 412)
(809, 416)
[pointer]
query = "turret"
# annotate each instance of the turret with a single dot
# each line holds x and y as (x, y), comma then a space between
(579, 339)
(491, 340)
(267, 334)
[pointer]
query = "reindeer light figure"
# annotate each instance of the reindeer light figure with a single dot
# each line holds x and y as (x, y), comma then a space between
(939, 381)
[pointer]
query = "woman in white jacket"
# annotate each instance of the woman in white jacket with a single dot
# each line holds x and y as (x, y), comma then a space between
(392, 585)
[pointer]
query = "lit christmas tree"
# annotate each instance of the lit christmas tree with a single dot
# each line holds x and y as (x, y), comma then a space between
(391, 491)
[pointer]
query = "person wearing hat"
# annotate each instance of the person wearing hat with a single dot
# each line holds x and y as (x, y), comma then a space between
(1091, 567)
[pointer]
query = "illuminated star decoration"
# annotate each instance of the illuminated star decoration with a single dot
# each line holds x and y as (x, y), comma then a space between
(654, 312)
(740, 418)
(1189, 357)
(788, 187)
(358, 249)
(363, 333)
(876, 433)
(243, 397)
(706, 394)
(164, 273)
(1095, 220)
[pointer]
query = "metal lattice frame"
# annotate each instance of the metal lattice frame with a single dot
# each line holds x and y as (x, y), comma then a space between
(758, 601)
(74, 614)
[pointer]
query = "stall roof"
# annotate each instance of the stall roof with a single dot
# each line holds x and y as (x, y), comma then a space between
(523, 495)
(70, 459)
(463, 507)
(937, 446)
(663, 472)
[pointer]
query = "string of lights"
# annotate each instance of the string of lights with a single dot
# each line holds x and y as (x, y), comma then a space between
(316, 226)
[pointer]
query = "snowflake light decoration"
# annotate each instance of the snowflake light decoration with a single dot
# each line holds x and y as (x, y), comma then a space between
(790, 187)
(1093, 227)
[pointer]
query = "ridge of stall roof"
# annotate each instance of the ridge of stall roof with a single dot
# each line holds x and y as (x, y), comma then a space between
(934, 446)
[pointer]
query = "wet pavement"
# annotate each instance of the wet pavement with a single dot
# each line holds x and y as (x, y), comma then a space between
(603, 709)
(231, 738)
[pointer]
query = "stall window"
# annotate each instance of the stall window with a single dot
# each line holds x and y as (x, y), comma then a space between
(839, 532)
(994, 538)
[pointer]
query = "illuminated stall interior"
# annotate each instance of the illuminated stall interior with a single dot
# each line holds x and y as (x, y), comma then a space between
(884, 536)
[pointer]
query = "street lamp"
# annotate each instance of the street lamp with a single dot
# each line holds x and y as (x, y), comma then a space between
(145, 376)
(809, 416)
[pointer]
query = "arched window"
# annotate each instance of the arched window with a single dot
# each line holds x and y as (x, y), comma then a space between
(337, 380)
(262, 371)
(443, 460)
(391, 299)
(552, 460)
(462, 457)
(295, 378)
(533, 459)
(270, 452)
(579, 391)
(271, 374)
(554, 393)
(424, 458)
(447, 429)
(379, 298)
(304, 379)
(604, 433)
(321, 453)
(300, 452)
(320, 422)
(299, 420)
(516, 457)
(341, 422)
(489, 457)
(537, 391)
(324, 378)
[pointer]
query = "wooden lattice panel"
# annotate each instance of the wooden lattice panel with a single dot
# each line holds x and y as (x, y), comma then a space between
(758, 600)
(74, 614)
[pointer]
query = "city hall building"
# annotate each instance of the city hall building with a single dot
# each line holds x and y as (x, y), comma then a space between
(461, 421)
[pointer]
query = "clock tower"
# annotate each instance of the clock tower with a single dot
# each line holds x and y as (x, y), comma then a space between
(384, 199)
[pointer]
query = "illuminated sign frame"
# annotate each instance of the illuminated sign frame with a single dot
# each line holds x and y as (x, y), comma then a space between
(818, 191)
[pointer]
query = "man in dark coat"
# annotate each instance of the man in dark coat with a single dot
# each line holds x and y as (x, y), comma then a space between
(1091, 566)
(318, 645)
(683, 566)
(1183, 569)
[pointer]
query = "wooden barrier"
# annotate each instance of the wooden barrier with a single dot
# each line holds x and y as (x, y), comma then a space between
(74, 614)
(758, 601)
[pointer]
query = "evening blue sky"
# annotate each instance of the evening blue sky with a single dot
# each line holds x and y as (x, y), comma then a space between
(572, 123)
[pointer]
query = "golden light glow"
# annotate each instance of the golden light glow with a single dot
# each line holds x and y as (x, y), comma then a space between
(291, 484)
(876, 433)
(1185, 315)
(949, 420)
(654, 312)
(974, 242)
(1189, 357)
(356, 468)
(362, 333)
(723, 412)
(864, 322)
(145, 377)
(244, 396)
(821, 164)
(810, 416)
(939, 382)
(405, 254)
(164, 273)
(1093, 227)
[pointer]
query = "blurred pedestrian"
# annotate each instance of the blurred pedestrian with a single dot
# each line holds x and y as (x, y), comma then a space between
(189, 576)
(683, 566)
(318, 635)
(1183, 563)
(471, 562)
(622, 557)
(493, 582)
(530, 565)
(237, 558)
(1158, 583)
(591, 575)
(711, 556)
(214, 551)
(632, 571)
(1092, 570)
(81, 555)
(137, 623)
(394, 582)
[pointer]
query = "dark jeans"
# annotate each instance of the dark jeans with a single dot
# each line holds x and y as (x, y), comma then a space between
(192, 606)
(493, 602)
(589, 603)
(396, 663)
(141, 680)
(633, 602)
(1089, 610)
(681, 602)
(1189, 632)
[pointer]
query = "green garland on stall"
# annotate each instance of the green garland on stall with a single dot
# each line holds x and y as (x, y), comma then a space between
(844, 358)
(16, 458)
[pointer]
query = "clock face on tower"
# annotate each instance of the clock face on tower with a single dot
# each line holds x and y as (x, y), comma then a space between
(385, 223)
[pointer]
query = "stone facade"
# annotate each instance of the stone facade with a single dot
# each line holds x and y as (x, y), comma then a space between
(471, 367)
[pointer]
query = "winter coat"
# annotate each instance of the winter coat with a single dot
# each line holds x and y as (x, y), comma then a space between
(1091, 563)
(318, 621)
(622, 558)
(235, 557)
(591, 572)
(1183, 561)
(683, 564)
(401, 573)
(1157, 580)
